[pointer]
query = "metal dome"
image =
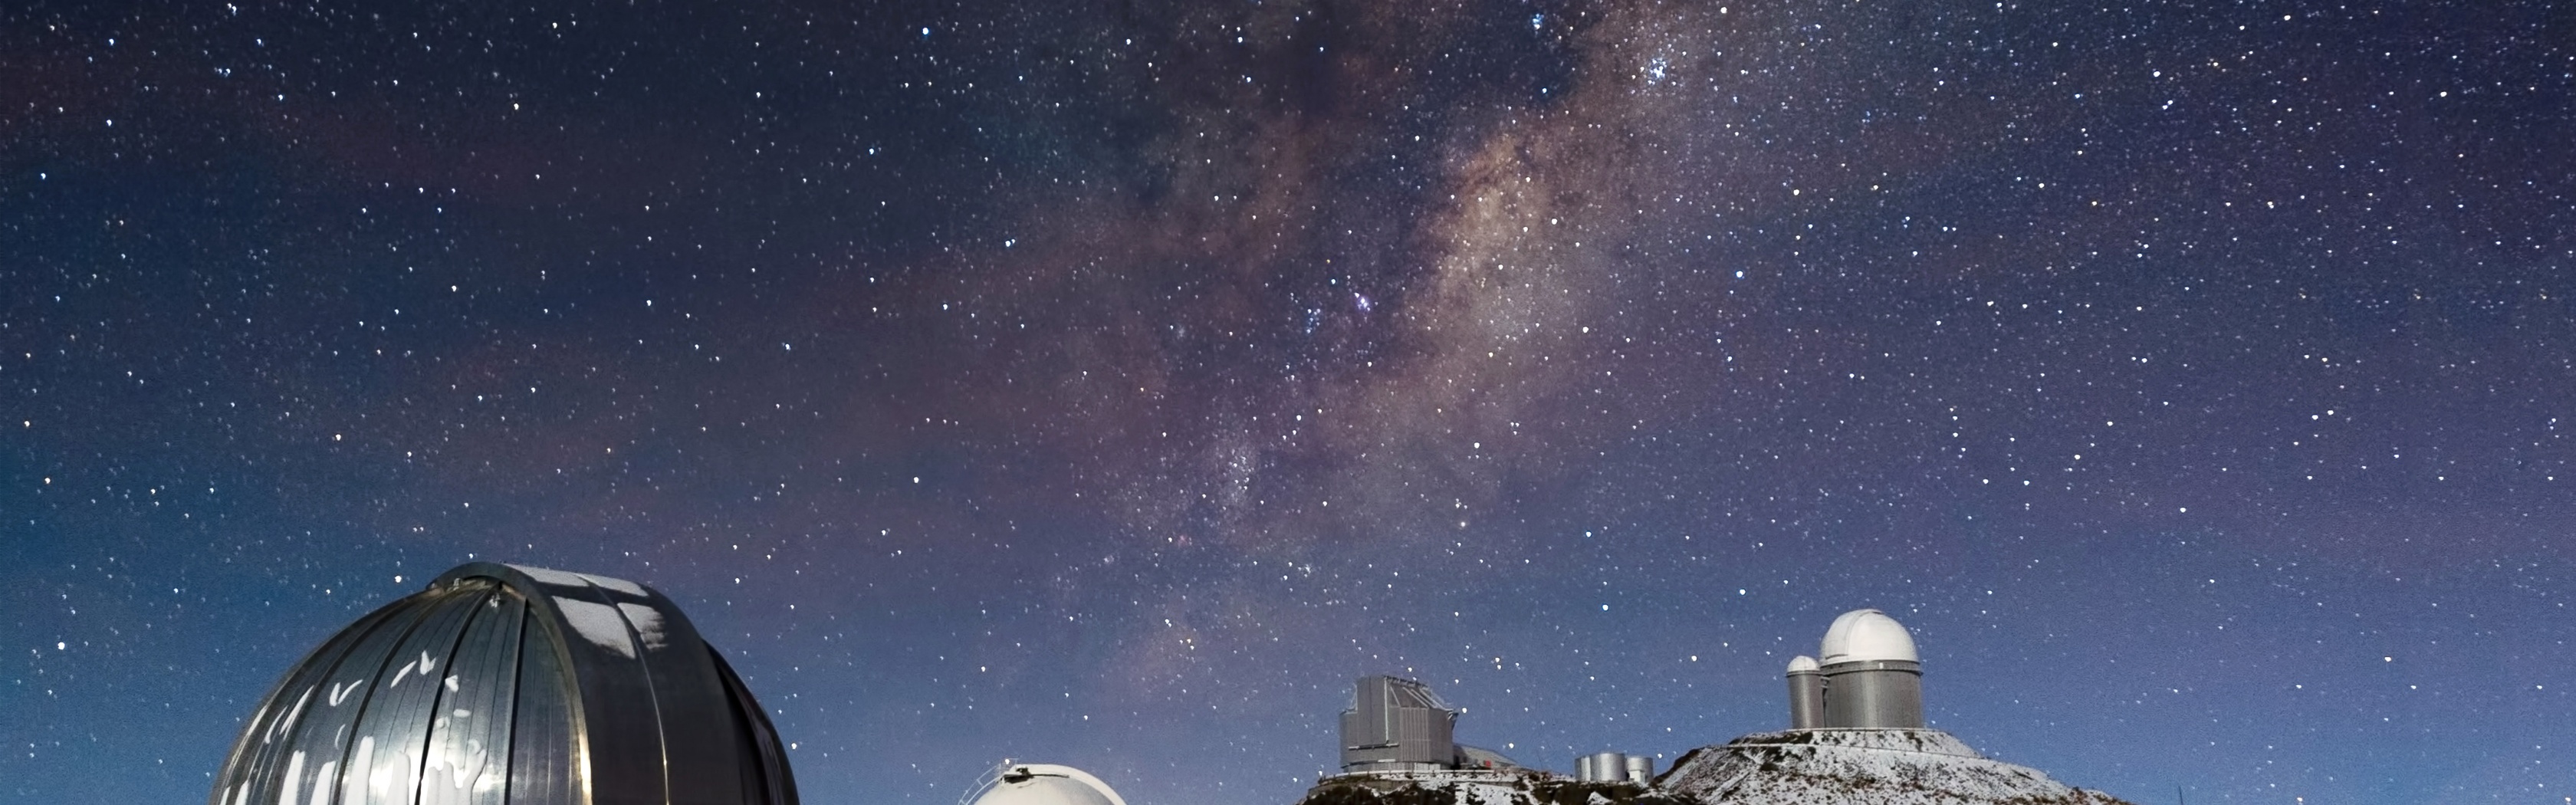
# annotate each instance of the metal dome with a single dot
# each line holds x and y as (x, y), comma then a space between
(506, 685)
(1865, 635)
(1043, 784)
(1802, 663)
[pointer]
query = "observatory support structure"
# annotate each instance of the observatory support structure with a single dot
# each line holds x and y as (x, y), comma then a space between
(1874, 694)
(1397, 724)
(1806, 694)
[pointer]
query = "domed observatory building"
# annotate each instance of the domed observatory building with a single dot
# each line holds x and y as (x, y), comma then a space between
(505, 685)
(1869, 674)
(1857, 734)
(1042, 784)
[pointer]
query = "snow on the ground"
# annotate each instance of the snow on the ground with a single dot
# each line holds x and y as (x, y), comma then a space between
(1883, 767)
(1797, 767)
(1476, 787)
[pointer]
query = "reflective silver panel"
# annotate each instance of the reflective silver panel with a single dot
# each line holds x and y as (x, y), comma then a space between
(500, 685)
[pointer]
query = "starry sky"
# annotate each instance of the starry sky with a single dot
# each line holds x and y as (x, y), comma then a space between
(1109, 383)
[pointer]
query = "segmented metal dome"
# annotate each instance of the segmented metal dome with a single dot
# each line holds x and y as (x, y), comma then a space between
(507, 685)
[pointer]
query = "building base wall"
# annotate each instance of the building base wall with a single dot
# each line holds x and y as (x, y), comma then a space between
(1875, 694)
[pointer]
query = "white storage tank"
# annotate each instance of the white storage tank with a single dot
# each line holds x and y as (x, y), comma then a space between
(1601, 767)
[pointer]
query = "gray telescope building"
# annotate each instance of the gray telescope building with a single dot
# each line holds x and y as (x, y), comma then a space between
(1397, 725)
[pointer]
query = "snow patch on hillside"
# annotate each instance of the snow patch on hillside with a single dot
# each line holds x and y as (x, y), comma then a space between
(1475, 787)
(1880, 766)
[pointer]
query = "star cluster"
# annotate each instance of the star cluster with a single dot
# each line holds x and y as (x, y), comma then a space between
(1109, 384)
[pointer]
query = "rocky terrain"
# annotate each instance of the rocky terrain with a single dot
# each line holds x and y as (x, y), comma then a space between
(1797, 767)
(1478, 787)
(1877, 767)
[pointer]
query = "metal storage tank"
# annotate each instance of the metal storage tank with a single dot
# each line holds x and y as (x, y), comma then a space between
(1602, 767)
(504, 685)
(1397, 724)
(1042, 784)
(1641, 769)
(1873, 678)
(1806, 694)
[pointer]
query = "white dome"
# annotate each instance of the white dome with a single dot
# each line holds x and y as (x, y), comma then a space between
(1802, 663)
(1863, 635)
(1043, 784)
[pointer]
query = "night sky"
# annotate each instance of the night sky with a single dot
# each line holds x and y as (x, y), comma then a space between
(1109, 383)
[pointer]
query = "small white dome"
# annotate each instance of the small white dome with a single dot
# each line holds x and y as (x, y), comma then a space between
(1863, 635)
(1044, 784)
(1802, 663)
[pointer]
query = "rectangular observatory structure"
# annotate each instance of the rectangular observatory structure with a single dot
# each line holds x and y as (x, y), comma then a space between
(1397, 724)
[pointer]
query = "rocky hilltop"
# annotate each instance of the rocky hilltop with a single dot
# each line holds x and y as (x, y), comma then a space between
(1795, 767)
(1876, 766)
(1857, 736)
(1478, 787)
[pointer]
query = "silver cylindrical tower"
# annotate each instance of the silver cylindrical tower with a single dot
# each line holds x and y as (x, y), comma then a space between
(1602, 767)
(1873, 677)
(1806, 694)
(1880, 694)
(1641, 769)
